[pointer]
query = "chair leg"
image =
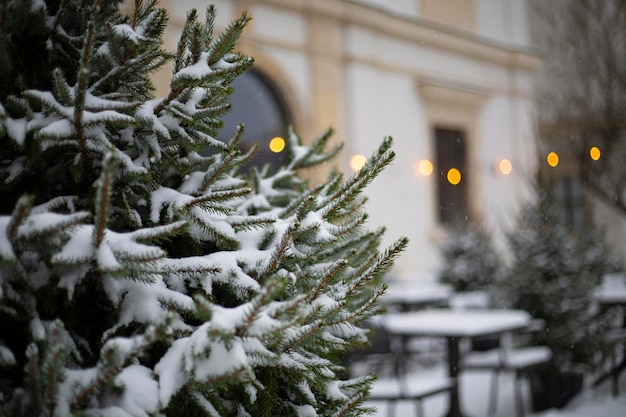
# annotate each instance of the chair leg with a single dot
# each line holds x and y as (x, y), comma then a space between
(419, 408)
(493, 396)
(391, 408)
(519, 399)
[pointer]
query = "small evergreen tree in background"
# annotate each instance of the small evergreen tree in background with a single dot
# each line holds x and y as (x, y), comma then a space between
(138, 277)
(553, 276)
(469, 259)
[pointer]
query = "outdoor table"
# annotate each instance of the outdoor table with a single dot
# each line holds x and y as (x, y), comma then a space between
(454, 325)
(417, 296)
(613, 294)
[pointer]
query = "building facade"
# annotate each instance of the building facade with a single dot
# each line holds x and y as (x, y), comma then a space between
(450, 80)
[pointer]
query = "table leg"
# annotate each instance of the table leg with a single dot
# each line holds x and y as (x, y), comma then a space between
(453, 372)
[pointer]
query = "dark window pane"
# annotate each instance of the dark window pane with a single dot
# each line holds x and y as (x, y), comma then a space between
(570, 194)
(258, 106)
(451, 151)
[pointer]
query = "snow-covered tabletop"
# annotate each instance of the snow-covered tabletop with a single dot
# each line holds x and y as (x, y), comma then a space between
(417, 294)
(612, 290)
(455, 323)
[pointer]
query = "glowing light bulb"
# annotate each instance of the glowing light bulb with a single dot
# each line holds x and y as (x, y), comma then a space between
(553, 159)
(505, 166)
(454, 176)
(425, 167)
(357, 161)
(595, 153)
(277, 144)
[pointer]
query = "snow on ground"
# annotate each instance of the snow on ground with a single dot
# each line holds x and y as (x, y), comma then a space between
(474, 392)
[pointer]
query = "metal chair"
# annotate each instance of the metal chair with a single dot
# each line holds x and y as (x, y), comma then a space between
(406, 388)
(508, 357)
(386, 354)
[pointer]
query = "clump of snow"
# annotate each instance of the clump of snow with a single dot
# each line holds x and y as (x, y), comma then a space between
(140, 396)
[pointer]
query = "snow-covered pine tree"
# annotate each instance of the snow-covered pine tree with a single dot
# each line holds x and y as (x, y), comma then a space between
(553, 275)
(470, 261)
(138, 277)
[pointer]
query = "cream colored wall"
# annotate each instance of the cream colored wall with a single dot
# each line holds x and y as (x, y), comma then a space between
(369, 74)
(460, 14)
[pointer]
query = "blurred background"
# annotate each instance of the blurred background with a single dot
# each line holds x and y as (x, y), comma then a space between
(482, 98)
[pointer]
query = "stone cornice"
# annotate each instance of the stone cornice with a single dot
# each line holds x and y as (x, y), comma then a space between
(415, 30)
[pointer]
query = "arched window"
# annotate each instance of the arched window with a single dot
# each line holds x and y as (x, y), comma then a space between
(258, 105)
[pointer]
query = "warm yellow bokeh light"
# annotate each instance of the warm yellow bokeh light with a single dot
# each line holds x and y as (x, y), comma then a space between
(595, 153)
(553, 159)
(505, 166)
(277, 144)
(425, 167)
(357, 161)
(454, 176)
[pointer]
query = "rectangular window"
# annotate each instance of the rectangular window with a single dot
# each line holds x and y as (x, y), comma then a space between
(569, 191)
(452, 175)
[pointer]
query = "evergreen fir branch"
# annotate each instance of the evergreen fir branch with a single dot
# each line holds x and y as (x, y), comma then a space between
(196, 42)
(62, 89)
(349, 232)
(332, 185)
(160, 232)
(19, 107)
(223, 235)
(350, 407)
(362, 248)
(20, 213)
(151, 19)
(59, 203)
(200, 74)
(132, 216)
(113, 356)
(352, 187)
(225, 43)
(355, 207)
(196, 268)
(180, 58)
(103, 198)
(296, 202)
(336, 268)
(33, 378)
(44, 225)
(302, 334)
(381, 263)
(256, 305)
(214, 176)
(82, 80)
(204, 71)
(366, 309)
(179, 111)
(204, 308)
(278, 254)
(205, 405)
(47, 100)
(209, 26)
(99, 105)
(53, 364)
(244, 223)
(312, 155)
(210, 201)
(210, 112)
